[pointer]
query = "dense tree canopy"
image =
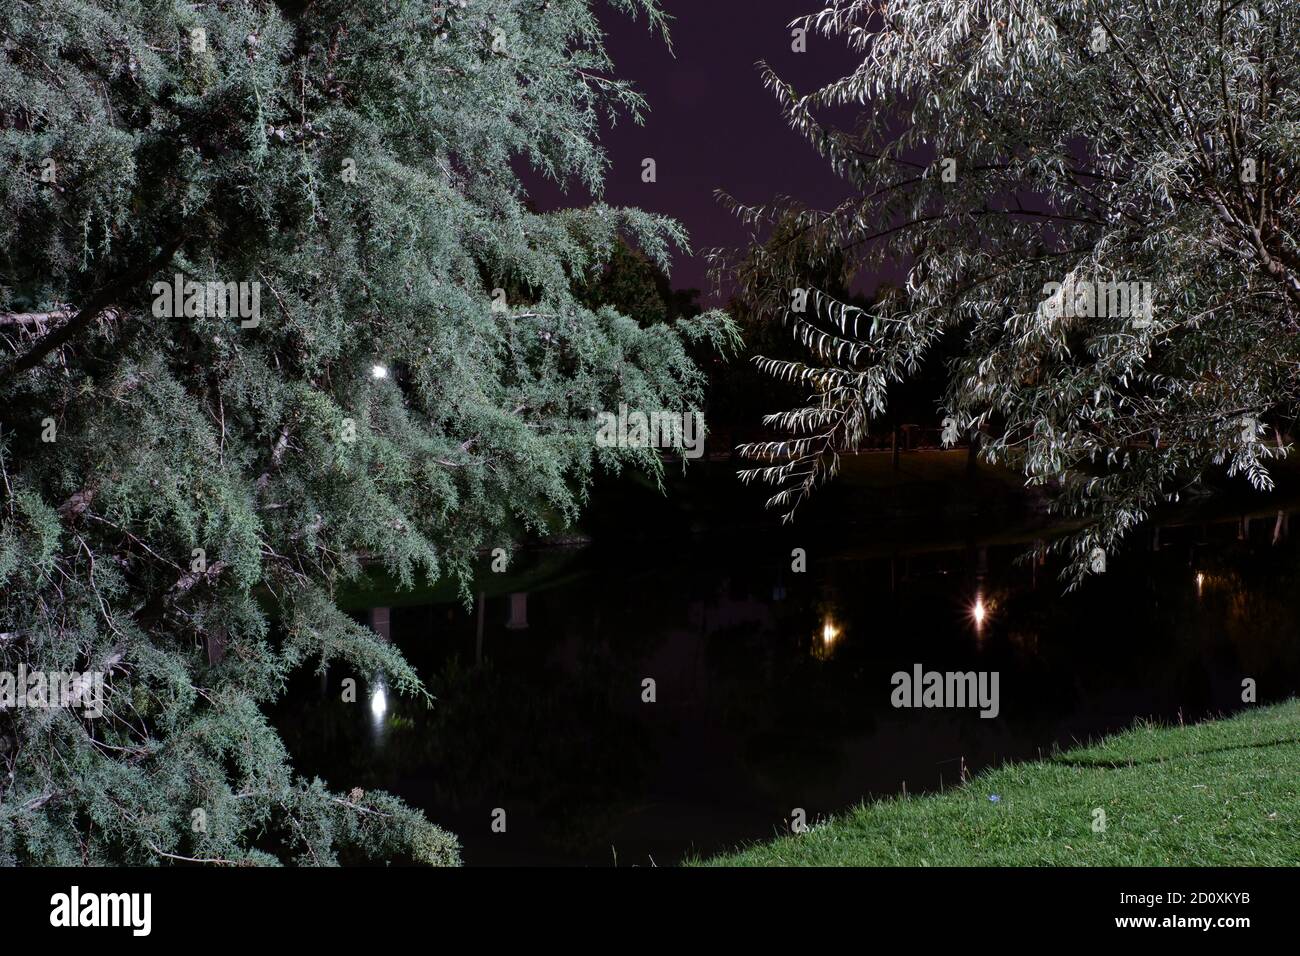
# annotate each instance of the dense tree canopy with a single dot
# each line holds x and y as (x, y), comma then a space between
(409, 378)
(1028, 165)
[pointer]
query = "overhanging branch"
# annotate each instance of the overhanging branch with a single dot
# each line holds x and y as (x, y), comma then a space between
(98, 304)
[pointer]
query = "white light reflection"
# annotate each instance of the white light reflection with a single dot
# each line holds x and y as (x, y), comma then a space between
(379, 708)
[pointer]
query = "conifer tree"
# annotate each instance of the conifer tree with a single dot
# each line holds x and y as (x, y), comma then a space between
(273, 309)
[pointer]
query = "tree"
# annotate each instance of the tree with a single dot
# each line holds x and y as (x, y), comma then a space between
(1095, 205)
(633, 284)
(257, 336)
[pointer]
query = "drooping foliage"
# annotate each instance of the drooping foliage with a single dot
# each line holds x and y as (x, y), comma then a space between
(182, 493)
(1028, 165)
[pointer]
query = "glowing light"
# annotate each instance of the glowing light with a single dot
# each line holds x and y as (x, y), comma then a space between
(379, 371)
(978, 611)
(829, 633)
(1200, 582)
(379, 703)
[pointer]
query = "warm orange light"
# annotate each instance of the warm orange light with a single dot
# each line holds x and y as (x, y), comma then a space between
(829, 633)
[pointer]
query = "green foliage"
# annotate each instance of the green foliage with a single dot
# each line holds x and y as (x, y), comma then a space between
(1005, 147)
(212, 481)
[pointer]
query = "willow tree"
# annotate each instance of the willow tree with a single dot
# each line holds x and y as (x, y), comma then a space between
(1096, 209)
(274, 309)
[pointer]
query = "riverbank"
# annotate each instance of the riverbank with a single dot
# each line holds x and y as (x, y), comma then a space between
(1220, 793)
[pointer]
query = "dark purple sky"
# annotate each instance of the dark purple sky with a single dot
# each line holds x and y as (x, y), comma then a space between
(711, 124)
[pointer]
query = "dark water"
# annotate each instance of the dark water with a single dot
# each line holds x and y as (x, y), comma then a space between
(773, 688)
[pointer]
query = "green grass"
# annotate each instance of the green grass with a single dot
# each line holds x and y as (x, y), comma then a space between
(1224, 792)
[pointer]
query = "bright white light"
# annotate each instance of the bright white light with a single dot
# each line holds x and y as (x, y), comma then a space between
(829, 633)
(979, 612)
(379, 703)
(379, 371)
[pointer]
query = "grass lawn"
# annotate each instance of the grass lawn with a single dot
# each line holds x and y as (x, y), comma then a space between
(1220, 793)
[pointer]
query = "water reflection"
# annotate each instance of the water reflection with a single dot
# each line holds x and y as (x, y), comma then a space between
(379, 707)
(829, 633)
(379, 619)
(748, 722)
(518, 620)
(823, 648)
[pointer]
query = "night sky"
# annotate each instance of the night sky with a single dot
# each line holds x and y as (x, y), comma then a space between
(711, 124)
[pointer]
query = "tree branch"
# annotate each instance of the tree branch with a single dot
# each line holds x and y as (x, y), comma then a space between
(99, 303)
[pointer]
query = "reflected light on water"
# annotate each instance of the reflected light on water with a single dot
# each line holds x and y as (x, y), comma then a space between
(1200, 583)
(379, 707)
(823, 648)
